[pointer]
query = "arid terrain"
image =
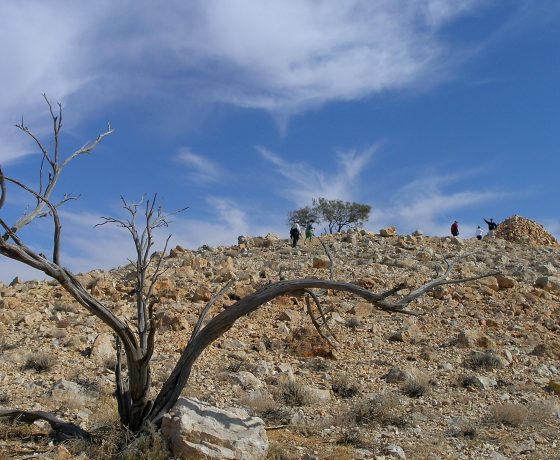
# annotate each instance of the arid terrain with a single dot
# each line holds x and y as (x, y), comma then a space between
(476, 376)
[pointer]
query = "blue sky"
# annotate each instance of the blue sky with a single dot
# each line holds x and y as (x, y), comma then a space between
(428, 110)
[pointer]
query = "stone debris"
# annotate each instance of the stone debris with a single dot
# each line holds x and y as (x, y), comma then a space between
(486, 342)
(521, 230)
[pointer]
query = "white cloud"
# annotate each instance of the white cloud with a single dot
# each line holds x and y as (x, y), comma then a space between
(422, 203)
(305, 182)
(201, 168)
(284, 57)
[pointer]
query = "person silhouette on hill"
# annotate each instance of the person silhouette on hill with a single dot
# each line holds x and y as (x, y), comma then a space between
(478, 233)
(309, 231)
(295, 233)
(455, 228)
(491, 226)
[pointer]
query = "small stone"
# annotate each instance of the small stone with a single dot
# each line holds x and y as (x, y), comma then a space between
(290, 316)
(484, 382)
(395, 451)
(505, 282)
(554, 386)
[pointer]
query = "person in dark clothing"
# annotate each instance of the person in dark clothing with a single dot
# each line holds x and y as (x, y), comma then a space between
(491, 226)
(455, 228)
(295, 233)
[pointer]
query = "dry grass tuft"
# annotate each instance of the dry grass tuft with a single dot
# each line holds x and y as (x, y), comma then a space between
(318, 364)
(466, 381)
(281, 451)
(150, 445)
(352, 437)
(380, 408)
(515, 415)
(462, 427)
(39, 362)
(269, 410)
(344, 386)
(293, 394)
(105, 425)
(485, 360)
(4, 397)
(416, 385)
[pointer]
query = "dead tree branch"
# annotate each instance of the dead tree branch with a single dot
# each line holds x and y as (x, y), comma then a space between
(65, 430)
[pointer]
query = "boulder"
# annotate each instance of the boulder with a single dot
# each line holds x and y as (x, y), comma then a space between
(321, 262)
(102, 347)
(548, 283)
(505, 282)
(202, 293)
(389, 231)
(472, 339)
(197, 430)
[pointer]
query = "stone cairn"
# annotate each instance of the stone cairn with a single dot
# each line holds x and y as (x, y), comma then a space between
(521, 230)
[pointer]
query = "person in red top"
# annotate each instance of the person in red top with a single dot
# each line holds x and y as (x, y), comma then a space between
(455, 228)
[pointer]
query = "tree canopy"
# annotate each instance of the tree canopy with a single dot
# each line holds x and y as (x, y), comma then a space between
(336, 214)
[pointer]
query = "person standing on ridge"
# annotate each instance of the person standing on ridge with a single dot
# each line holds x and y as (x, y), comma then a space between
(455, 228)
(295, 233)
(491, 226)
(478, 233)
(309, 231)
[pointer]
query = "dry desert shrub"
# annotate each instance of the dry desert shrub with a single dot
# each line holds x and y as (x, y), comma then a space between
(268, 409)
(485, 360)
(39, 362)
(281, 451)
(16, 430)
(149, 445)
(416, 385)
(4, 345)
(68, 400)
(293, 394)
(380, 408)
(344, 386)
(352, 437)
(4, 397)
(318, 364)
(466, 381)
(462, 427)
(91, 385)
(104, 424)
(515, 415)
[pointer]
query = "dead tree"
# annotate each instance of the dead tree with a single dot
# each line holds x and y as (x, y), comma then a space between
(136, 344)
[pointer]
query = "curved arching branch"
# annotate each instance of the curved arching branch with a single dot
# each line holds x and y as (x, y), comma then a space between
(222, 322)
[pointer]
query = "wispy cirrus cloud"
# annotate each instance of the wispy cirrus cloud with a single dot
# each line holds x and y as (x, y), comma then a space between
(429, 202)
(283, 58)
(305, 182)
(201, 168)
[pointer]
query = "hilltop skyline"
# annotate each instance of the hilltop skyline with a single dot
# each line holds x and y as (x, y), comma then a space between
(427, 110)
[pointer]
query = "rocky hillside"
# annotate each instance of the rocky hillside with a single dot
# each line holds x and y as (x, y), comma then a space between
(476, 376)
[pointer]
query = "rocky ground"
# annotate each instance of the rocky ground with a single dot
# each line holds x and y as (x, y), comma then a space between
(476, 376)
